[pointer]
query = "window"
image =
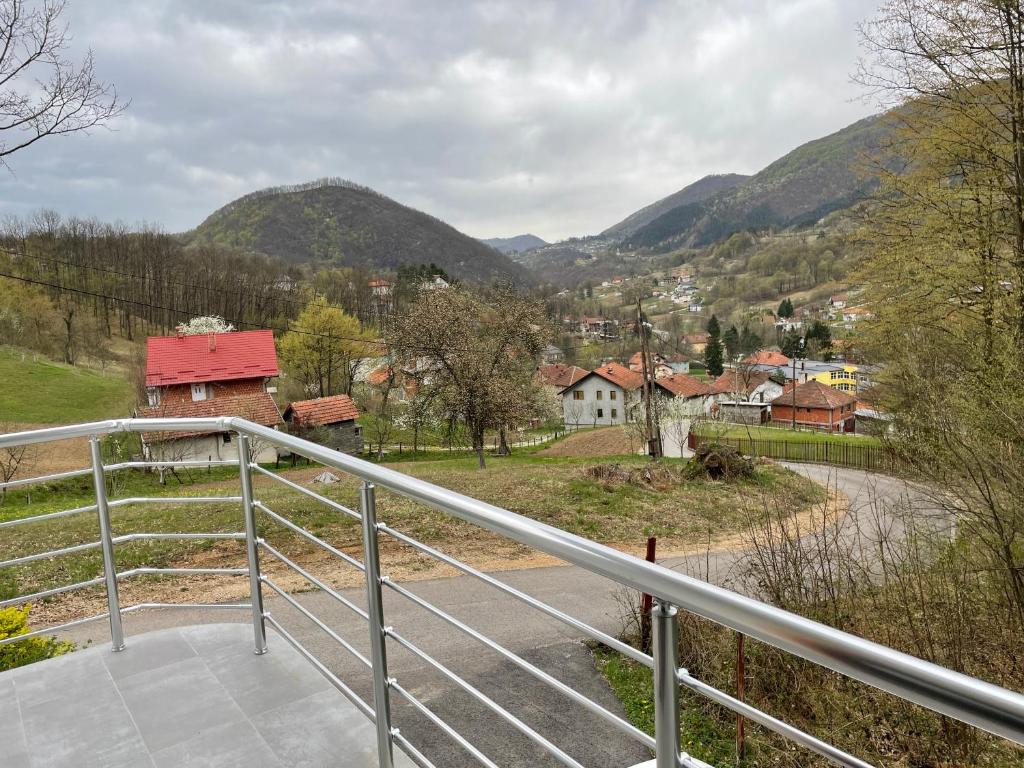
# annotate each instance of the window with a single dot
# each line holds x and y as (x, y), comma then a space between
(577, 394)
(613, 395)
(227, 438)
(153, 395)
(600, 394)
(198, 392)
(600, 413)
(615, 413)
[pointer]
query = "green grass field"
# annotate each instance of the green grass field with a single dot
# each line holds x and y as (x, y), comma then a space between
(38, 391)
(734, 431)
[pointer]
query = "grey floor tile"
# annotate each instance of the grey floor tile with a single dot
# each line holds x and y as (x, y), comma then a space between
(236, 745)
(259, 683)
(145, 653)
(94, 731)
(177, 702)
(217, 640)
(73, 675)
(320, 731)
(12, 733)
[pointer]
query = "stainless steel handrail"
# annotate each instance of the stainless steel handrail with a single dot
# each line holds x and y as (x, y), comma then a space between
(981, 704)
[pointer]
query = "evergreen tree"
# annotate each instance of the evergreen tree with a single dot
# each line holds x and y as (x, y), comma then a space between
(785, 308)
(792, 345)
(819, 339)
(749, 340)
(713, 355)
(731, 339)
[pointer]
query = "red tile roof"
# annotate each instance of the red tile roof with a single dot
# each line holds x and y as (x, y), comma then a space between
(739, 380)
(561, 375)
(814, 394)
(255, 406)
(767, 357)
(620, 375)
(210, 357)
(322, 410)
(681, 385)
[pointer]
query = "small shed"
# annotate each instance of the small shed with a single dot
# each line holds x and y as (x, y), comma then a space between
(330, 421)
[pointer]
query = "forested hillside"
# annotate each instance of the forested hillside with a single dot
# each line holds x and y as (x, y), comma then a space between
(336, 223)
(700, 190)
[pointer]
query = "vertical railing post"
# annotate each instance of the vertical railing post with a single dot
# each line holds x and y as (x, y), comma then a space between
(259, 629)
(375, 608)
(666, 685)
(99, 481)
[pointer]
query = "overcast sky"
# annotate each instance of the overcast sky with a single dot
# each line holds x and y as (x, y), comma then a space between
(501, 117)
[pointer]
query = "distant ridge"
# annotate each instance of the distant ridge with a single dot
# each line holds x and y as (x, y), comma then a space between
(336, 222)
(700, 190)
(516, 244)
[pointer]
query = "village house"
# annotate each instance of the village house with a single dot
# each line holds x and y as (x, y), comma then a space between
(330, 421)
(838, 301)
(697, 341)
(841, 376)
(380, 287)
(692, 391)
(602, 397)
(816, 405)
(766, 358)
(659, 364)
(552, 354)
(743, 395)
(679, 363)
(206, 376)
(558, 376)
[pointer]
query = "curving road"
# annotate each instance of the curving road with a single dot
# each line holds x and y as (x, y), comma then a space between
(552, 646)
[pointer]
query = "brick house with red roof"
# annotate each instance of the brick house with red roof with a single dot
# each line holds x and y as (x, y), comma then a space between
(206, 376)
(816, 405)
(330, 421)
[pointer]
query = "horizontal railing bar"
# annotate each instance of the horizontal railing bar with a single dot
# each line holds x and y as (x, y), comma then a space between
(45, 478)
(457, 737)
(309, 615)
(48, 516)
(51, 592)
(183, 572)
(173, 500)
(314, 580)
(54, 629)
(188, 606)
(49, 554)
(332, 678)
(826, 750)
(492, 705)
(128, 537)
(307, 535)
(624, 726)
(191, 463)
(410, 749)
(973, 701)
(596, 634)
(311, 494)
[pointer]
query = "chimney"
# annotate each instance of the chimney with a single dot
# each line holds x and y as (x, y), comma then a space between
(213, 342)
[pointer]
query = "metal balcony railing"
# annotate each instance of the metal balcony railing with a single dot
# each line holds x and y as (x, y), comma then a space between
(972, 701)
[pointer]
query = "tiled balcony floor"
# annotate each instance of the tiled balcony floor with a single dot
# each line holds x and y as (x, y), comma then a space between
(189, 697)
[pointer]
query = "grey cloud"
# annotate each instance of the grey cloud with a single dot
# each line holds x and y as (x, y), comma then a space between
(501, 117)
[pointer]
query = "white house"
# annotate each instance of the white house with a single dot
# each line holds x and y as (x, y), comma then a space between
(603, 397)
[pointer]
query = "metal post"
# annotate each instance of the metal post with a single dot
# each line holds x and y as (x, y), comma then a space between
(666, 686)
(107, 545)
(375, 606)
(259, 629)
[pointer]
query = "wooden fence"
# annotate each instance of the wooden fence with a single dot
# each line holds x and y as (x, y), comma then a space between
(842, 454)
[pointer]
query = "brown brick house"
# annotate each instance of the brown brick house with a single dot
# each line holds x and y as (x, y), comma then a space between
(209, 375)
(817, 405)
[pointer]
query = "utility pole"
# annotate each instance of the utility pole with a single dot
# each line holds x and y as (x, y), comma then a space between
(653, 431)
(793, 407)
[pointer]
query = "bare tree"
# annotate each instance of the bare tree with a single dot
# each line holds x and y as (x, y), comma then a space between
(42, 92)
(13, 459)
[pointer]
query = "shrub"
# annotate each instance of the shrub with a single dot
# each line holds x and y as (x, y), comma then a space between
(14, 622)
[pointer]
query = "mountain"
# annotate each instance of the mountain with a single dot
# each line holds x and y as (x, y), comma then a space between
(798, 189)
(700, 190)
(517, 244)
(336, 222)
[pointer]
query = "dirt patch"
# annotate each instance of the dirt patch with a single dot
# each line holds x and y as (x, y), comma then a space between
(58, 456)
(605, 441)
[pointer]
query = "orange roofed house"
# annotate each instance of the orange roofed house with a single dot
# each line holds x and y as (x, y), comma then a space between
(206, 376)
(333, 417)
(602, 397)
(816, 405)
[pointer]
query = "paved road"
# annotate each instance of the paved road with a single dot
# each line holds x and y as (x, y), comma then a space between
(544, 641)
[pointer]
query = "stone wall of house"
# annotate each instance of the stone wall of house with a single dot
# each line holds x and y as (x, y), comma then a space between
(215, 447)
(603, 404)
